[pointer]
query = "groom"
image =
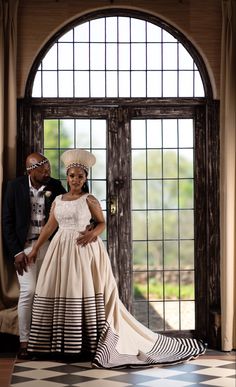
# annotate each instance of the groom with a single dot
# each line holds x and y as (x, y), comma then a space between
(26, 208)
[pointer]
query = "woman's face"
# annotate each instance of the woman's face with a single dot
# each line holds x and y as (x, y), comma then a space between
(76, 177)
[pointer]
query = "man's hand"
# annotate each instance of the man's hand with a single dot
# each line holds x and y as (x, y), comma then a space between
(21, 262)
(86, 236)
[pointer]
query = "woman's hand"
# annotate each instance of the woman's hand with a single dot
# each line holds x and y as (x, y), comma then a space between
(32, 256)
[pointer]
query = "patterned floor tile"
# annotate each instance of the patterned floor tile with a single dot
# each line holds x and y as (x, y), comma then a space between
(207, 372)
(102, 383)
(221, 382)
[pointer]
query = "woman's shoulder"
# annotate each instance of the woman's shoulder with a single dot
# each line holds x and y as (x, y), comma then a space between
(92, 200)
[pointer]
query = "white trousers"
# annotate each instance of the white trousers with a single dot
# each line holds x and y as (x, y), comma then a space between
(27, 283)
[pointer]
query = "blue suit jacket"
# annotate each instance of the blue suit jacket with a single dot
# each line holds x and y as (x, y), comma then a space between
(17, 211)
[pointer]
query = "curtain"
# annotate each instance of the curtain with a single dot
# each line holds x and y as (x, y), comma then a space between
(8, 46)
(228, 170)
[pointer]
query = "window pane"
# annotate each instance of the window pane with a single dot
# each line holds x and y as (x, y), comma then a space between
(66, 83)
(51, 135)
(98, 139)
(99, 169)
(82, 83)
(198, 85)
(81, 33)
(67, 133)
(139, 256)
(153, 33)
(172, 317)
(171, 224)
(97, 56)
(97, 30)
(124, 84)
(138, 56)
(170, 194)
(138, 133)
(139, 194)
(124, 56)
(154, 56)
(186, 193)
(154, 163)
(140, 285)
(50, 60)
(111, 83)
(139, 225)
(185, 59)
(155, 255)
(83, 133)
(138, 30)
(185, 84)
(169, 84)
(97, 84)
(111, 29)
(37, 89)
(170, 133)
(187, 315)
(124, 29)
(154, 134)
(155, 282)
(154, 194)
(154, 84)
(186, 163)
(65, 56)
(185, 133)
(187, 254)
(81, 56)
(111, 57)
(138, 84)
(170, 56)
(171, 253)
(170, 164)
(155, 224)
(138, 164)
(49, 83)
(186, 224)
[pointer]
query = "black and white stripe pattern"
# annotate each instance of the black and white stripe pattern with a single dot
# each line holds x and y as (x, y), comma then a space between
(66, 325)
(166, 351)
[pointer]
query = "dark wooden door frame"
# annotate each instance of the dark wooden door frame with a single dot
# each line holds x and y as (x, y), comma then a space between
(118, 112)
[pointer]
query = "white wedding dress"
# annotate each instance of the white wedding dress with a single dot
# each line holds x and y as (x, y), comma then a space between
(77, 309)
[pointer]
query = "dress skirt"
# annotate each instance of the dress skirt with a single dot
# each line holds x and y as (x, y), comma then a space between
(77, 309)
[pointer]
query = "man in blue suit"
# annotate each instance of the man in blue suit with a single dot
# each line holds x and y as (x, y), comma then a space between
(26, 208)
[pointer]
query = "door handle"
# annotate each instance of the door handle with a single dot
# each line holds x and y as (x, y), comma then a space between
(113, 204)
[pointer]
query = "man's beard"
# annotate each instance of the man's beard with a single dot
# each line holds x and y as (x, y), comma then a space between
(46, 180)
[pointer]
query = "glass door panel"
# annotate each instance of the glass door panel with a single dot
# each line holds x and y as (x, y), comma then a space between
(162, 223)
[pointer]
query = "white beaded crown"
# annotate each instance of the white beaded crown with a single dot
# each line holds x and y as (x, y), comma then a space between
(78, 158)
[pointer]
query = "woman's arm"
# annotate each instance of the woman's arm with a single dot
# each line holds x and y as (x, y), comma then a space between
(97, 214)
(45, 234)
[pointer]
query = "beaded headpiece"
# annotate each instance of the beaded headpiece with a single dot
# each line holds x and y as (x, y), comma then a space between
(38, 164)
(78, 158)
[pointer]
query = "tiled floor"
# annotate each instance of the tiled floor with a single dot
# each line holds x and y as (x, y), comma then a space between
(212, 369)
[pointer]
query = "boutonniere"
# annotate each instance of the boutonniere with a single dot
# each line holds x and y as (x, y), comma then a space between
(47, 194)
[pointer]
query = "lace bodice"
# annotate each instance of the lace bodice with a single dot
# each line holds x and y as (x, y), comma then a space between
(72, 215)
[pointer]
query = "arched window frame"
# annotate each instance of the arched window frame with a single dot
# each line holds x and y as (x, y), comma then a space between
(29, 138)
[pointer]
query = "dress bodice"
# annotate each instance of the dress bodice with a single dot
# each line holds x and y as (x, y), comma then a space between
(72, 215)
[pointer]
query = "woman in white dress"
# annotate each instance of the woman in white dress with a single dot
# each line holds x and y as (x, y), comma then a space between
(76, 307)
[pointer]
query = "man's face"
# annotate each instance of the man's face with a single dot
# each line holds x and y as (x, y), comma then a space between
(41, 175)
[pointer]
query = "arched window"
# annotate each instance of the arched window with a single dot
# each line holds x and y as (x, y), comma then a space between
(134, 91)
(117, 57)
